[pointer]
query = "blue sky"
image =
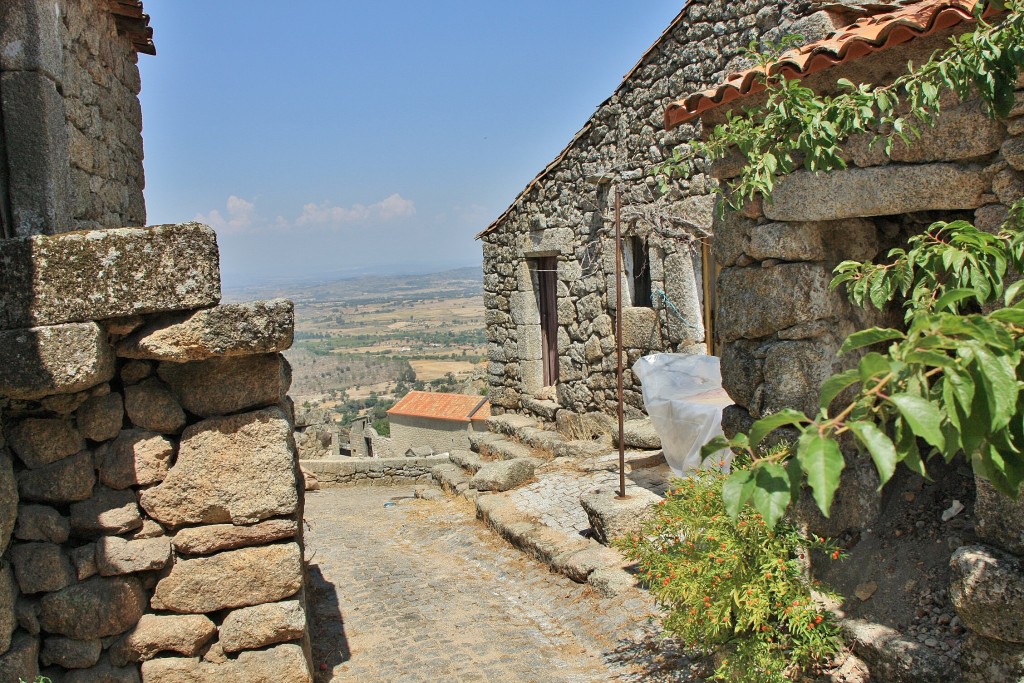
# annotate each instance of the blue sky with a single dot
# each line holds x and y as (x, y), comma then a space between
(324, 138)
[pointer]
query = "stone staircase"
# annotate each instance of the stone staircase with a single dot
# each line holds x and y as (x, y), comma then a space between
(527, 478)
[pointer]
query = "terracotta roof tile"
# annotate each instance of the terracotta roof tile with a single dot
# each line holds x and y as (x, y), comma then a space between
(863, 37)
(456, 407)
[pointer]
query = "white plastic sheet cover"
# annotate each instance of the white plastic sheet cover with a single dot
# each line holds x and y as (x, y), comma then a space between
(684, 398)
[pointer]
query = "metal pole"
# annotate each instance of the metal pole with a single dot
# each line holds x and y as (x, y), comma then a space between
(618, 340)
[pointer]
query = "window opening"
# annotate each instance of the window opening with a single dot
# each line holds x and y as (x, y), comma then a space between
(637, 262)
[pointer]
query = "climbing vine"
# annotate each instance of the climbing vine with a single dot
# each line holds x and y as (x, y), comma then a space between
(950, 384)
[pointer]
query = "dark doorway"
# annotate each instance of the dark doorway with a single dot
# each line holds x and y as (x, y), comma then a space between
(639, 269)
(545, 270)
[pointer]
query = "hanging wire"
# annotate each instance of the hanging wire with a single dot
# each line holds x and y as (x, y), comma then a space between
(660, 294)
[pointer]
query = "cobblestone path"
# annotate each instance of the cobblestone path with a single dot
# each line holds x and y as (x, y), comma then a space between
(421, 591)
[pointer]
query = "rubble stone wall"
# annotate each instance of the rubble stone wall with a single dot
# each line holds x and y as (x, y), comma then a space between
(567, 213)
(373, 471)
(781, 328)
(72, 122)
(150, 498)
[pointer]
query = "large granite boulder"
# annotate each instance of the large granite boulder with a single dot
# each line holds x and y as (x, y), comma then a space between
(221, 386)
(96, 608)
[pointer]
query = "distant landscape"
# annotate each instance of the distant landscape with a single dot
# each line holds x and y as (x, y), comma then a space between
(362, 343)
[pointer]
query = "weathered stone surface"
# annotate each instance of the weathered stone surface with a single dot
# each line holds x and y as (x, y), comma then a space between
(39, 442)
(79, 276)
(254, 627)
(203, 540)
(221, 386)
(41, 567)
(611, 517)
(1000, 519)
(70, 653)
(640, 328)
(8, 611)
(21, 661)
(100, 417)
(787, 242)
(116, 555)
(149, 529)
(181, 633)
(41, 523)
(63, 359)
(945, 141)
(84, 559)
(755, 302)
(235, 578)
(107, 512)
(987, 590)
(136, 458)
(793, 374)
(96, 608)
(8, 497)
(151, 405)
(893, 657)
(65, 481)
(256, 327)
(281, 664)
(877, 191)
(985, 660)
(638, 434)
(502, 475)
(134, 371)
(25, 609)
(1013, 152)
(104, 672)
(66, 404)
(237, 469)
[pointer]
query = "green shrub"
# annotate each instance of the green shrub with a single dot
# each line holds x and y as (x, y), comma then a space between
(734, 588)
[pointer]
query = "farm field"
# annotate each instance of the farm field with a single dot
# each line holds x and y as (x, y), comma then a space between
(362, 343)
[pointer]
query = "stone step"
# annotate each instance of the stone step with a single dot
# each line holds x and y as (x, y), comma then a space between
(581, 450)
(638, 434)
(479, 440)
(503, 475)
(467, 460)
(450, 477)
(505, 449)
(540, 439)
(509, 423)
(545, 410)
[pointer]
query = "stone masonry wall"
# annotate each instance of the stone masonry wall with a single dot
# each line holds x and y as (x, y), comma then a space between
(71, 117)
(374, 471)
(150, 506)
(568, 213)
(781, 327)
(101, 87)
(441, 435)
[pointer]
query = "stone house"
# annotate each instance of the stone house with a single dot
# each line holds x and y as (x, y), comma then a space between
(150, 506)
(72, 123)
(780, 327)
(441, 421)
(549, 259)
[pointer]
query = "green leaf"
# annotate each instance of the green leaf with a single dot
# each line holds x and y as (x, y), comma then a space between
(766, 425)
(868, 337)
(923, 417)
(821, 459)
(711, 447)
(953, 296)
(736, 491)
(771, 495)
(835, 384)
(1013, 291)
(873, 365)
(881, 448)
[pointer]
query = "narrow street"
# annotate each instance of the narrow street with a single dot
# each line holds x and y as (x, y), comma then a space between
(413, 590)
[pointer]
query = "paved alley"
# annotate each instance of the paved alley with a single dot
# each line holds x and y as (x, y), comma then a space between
(403, 589)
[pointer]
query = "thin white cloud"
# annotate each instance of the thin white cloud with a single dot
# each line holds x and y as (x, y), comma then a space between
(241, 216)
(328, 215)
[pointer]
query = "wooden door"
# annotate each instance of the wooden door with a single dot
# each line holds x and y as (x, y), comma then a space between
(547, 299)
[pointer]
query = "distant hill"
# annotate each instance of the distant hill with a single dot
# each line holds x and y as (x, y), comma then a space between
(368, 289)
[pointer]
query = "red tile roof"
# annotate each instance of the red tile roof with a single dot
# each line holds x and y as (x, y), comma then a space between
(863, 37)
(456, 407)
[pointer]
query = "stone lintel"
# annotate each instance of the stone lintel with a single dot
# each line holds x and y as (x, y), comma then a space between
(98, 274)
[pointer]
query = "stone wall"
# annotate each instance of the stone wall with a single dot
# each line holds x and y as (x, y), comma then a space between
(441, 435)
(781, 327)
(72, 123)
(151, 510)
(373, 471)
(567, 213)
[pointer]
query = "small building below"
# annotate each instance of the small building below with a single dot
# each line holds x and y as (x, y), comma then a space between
(441, 421)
